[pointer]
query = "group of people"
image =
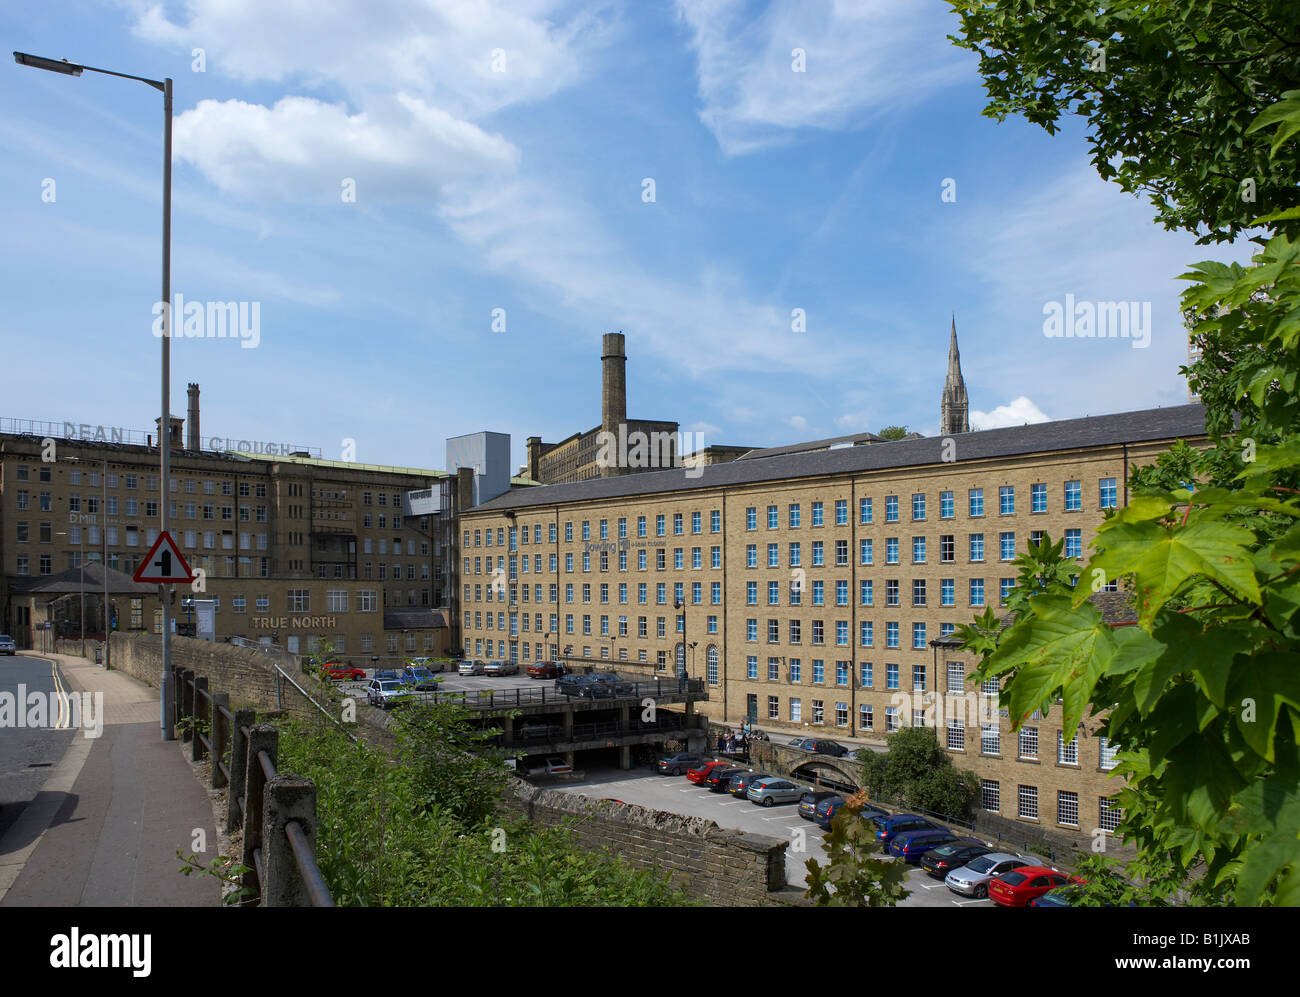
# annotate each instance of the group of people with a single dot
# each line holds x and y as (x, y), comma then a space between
(731, 742)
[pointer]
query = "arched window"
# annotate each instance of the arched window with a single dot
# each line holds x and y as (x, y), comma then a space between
(681, 660)
(711, 660)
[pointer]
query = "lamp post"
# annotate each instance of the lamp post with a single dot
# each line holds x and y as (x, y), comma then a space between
(167, 718)
(681, 668)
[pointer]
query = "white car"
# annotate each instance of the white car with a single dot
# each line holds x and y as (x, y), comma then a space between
(470, 668)
(554, 765)
(501, 668)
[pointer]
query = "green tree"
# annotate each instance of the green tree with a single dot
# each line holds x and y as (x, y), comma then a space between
(892, 432)
(918, 772)
(1189, 102)
(854, 875)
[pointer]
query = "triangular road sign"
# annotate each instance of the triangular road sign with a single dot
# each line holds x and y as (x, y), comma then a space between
(163, 563)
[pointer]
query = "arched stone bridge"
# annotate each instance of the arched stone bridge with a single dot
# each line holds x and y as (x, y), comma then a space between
(806, 767)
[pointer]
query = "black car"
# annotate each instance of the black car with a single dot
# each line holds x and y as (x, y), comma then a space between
(678, 763)
(809, 801)
(719, 780)
(938, 862)
(740, 783)
(584, 687)
(825, 747)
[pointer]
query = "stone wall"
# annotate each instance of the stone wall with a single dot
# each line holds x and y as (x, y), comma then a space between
(723, 867)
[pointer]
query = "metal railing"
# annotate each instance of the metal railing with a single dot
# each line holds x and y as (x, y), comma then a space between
(556, 733)
(496, 699)
(277, 811)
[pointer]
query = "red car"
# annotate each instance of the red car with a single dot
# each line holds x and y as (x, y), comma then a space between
(545, 670)
(1017, 887)
(698, 775)
(334, 670)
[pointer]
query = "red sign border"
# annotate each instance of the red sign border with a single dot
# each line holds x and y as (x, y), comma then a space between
(148, 560)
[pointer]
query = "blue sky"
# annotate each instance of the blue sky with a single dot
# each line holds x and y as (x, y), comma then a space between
(499, 153)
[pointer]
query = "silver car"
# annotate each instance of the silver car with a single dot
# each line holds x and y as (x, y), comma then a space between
(501, 668)
(386, 693)
(470, 668)
(7, 645)
(973, 880)
(774, 789)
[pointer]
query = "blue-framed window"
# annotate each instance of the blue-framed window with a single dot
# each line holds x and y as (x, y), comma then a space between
(1038, 498)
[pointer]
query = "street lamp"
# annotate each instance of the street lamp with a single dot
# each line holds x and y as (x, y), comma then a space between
(167, 706)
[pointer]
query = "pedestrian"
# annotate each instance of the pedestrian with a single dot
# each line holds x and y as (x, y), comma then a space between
(722, 743)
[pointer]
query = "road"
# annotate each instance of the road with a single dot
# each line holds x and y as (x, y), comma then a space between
(27, 753)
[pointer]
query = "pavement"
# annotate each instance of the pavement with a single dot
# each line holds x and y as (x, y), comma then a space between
(104, 828)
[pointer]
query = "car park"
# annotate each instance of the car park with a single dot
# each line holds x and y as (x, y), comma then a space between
(888, 825)
(386, 693)
(678, 763)
(538, 731)
(972, 879)
(1019, 886)
(419, 678)
(469, 667)
(938, 862)
(911, 845)
(809, 801)
(739, 785)
(501, 668)
(766, 792)
(7, 645)
(341, 672)
(701, 772)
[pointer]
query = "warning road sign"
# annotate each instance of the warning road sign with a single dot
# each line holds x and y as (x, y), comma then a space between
(164, 563)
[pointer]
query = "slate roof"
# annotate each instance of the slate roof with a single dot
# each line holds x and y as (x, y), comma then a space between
(413, 619)
(119, 583)
(1175, 422)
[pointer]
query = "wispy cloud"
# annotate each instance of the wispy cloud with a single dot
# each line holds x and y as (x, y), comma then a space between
(813, 64)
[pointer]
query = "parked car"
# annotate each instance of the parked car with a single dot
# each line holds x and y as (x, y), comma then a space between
(720, 778)
(552, 765)
(774, 789)
(739, 785)
(545, 670)
(419, 678)
(501, 668)
(429, 663)
(336, 670)
(972, 879)
(618, 686)
(911, 845)
(584, 687)
(469, 667)
(888, 825)
(799, 742)
(678, 763)
(809, 801)
(825, 747)
(386, 693)
(827, 809)
(1019, 886)
(536, 731)
(387, 674)
(7, 645)
(701, 772)
(938, 862)
(1062, 896)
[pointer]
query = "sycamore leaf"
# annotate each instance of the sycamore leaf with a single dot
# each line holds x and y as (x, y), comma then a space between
(1262, 689)
(1164, 559)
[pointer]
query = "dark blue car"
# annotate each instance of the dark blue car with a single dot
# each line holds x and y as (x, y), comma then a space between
(911, 845)
(891, 824)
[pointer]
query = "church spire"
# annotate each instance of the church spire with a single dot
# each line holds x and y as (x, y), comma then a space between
(954, 407)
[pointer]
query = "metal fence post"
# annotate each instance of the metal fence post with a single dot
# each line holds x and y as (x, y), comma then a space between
(187, 702)
(220, 736)
(261, 737)
(288, 798)
(198, 710)
(238, 766)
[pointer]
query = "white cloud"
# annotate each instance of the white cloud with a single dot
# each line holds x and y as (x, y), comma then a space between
(861, 58)
(442, 52)
(301, 147)
(1015, 413)
(797, 422)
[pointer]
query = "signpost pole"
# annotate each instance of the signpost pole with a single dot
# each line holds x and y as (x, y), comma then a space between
(166, 700)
